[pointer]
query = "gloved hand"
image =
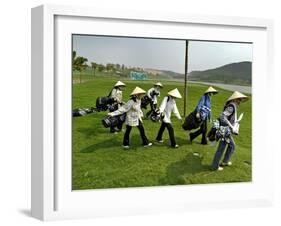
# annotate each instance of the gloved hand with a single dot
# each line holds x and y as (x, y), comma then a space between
(197, 115)
(110, 114)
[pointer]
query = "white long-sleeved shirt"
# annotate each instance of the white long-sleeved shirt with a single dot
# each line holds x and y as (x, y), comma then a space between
(116, 94)
(133, 112)
(151, 96)
(167, 107)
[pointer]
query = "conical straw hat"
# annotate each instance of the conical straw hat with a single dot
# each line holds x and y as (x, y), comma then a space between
(159, 84)
(119, 83)
(237, 95)
(137, 91)
(175, 93)
(211, 90)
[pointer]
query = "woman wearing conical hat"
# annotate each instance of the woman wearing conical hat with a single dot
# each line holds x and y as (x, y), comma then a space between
(134, 116)
(153, 93)
(168, 106)
(117, 95)
(203, 112)
(228, 120)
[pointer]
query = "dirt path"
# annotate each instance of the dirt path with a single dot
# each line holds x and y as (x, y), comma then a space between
(243, 89)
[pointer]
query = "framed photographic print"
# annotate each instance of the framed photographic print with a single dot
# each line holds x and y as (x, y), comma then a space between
(137, 113)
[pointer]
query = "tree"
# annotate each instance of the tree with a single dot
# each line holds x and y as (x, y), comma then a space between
(94, 67)
(101, 67)
(78, 64)
(110, 67)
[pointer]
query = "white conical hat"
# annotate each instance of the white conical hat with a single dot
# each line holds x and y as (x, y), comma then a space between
(237, 95)
(119, 83)
(175, 93)
(159, 84)
(211, 90)
(137, 90)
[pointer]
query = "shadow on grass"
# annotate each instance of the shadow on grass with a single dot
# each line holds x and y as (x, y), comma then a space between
(93, 131)
(179, 172)
(106, 144)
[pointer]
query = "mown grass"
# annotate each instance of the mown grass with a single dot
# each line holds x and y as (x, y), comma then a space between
(99, 161)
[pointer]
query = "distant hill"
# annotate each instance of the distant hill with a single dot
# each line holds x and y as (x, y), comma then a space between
(164, 73)
(235, 73)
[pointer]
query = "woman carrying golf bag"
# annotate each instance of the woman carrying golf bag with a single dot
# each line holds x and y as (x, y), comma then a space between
(168, 106)
(203, 112)
(116, 94)
(228, 125)
(134, 116)
(152, 94)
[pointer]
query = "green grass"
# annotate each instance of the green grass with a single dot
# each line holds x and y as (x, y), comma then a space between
(99, 161)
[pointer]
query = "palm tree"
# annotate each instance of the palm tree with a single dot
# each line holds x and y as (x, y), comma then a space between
(79, 64)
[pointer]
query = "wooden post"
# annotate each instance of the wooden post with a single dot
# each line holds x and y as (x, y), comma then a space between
(185, 76)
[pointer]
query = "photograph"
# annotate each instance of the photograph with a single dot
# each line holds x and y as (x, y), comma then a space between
(160, 112)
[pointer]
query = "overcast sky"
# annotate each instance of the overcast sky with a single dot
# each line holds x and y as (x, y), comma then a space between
(160, 53)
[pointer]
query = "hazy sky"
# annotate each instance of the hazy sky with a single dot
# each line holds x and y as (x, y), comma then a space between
(160, 53)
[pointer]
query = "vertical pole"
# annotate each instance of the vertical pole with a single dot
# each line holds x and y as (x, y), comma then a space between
(185, 76)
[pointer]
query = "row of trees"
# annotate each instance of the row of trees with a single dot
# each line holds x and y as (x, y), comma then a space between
(80, 64)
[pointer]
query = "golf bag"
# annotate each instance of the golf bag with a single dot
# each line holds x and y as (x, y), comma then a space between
(113, 107)
(103, 102)
(212, 134)
(191, 122)
(145, 101)
(155, 115)
(82, 111)
(112, 121)
(218, 131)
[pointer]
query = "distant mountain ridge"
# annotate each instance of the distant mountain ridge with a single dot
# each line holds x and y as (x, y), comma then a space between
(160, 71)
(235, 73)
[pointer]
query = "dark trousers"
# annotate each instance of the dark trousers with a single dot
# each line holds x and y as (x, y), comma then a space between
(229, 151)
(170, 130)
(152, 108)
(126, 140)
(203, 131)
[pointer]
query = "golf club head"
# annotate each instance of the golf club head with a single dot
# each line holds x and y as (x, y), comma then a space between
(240, 117)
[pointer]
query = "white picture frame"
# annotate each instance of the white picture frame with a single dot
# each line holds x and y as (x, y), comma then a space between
(52, 197)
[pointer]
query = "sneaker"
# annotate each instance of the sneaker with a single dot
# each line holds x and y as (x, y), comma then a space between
(148, 145)
(216, 169)
(126, 146)
(226, 163)
(160, 141)
(175, 146)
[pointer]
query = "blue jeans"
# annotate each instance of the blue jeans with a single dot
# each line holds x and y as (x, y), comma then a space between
(229, 151)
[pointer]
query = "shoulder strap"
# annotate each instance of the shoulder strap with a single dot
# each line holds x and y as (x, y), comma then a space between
(168, 98)
(110, 92)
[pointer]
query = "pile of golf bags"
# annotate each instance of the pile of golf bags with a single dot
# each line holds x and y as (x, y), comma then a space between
(103, 103)
(112, 121)
(82, 111)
